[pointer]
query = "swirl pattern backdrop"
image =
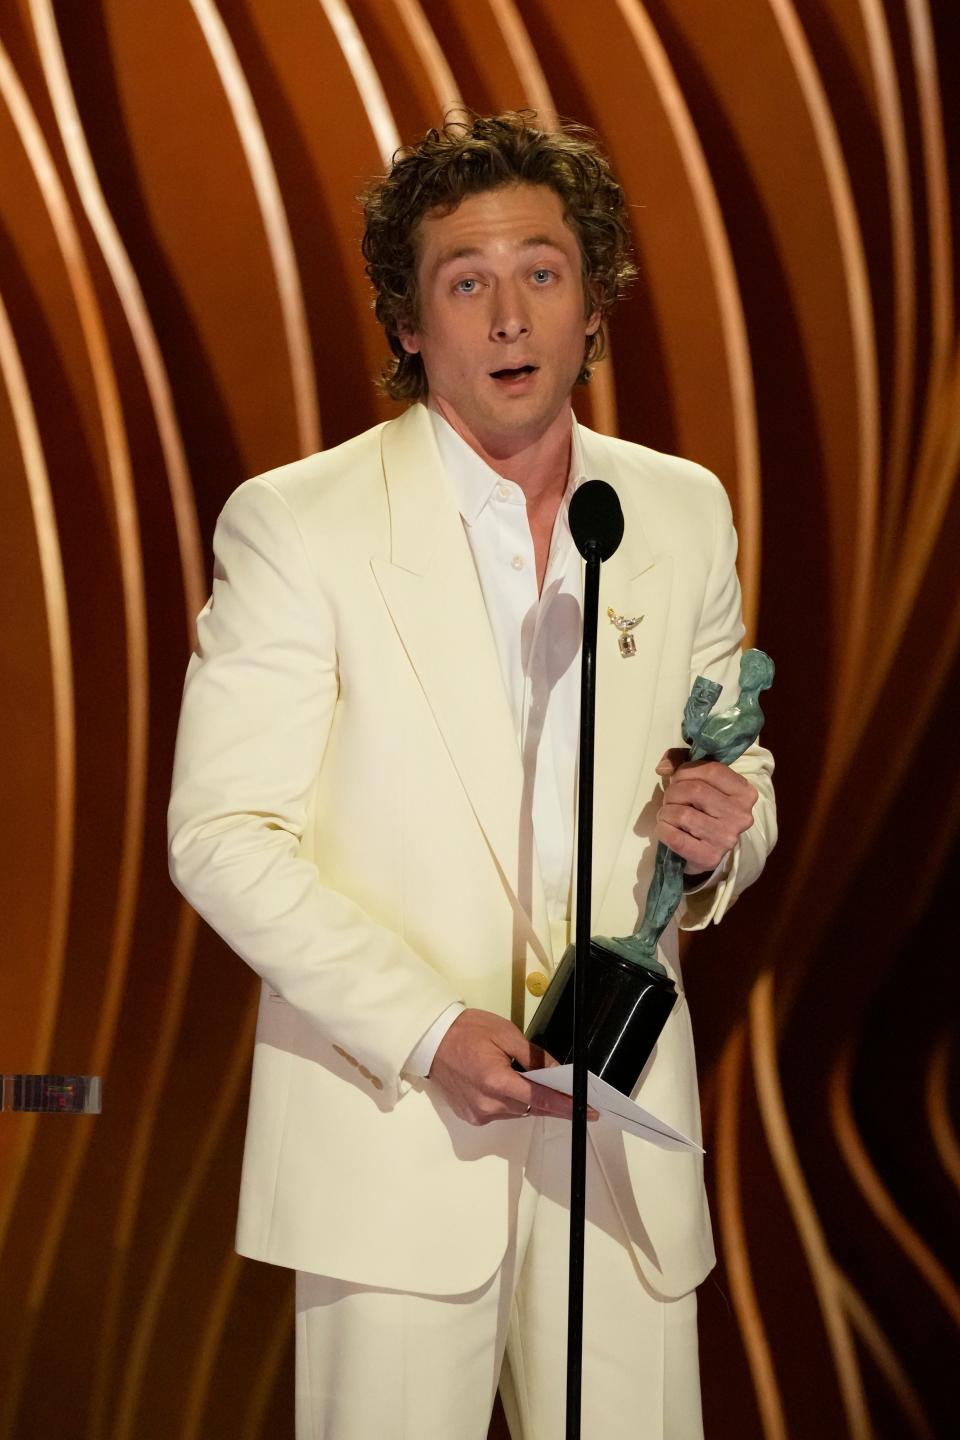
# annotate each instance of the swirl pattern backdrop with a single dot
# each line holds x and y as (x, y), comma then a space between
(182, 305)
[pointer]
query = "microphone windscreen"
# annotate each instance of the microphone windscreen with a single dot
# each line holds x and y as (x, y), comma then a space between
(596, 519)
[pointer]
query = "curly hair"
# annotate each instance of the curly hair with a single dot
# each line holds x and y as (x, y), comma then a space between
(466, 157)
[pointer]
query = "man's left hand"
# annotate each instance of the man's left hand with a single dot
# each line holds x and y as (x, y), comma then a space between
(706, 808)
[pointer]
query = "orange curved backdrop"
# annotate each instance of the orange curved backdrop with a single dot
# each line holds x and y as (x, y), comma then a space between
(182, 304)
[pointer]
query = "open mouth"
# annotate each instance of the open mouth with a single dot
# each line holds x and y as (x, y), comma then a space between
(515, 372)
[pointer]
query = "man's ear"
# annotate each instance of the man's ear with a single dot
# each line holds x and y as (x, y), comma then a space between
(409, 339)
(594, 316)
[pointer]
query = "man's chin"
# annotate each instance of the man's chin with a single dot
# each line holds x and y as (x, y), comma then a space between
(501, 425)
(526, 417)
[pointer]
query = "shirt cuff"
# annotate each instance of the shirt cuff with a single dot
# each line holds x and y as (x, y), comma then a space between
(420, 1059)
(703, 882)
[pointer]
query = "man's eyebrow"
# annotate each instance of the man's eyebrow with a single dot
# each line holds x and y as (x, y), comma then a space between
(536, 241)
(462, 252)
(469, 252)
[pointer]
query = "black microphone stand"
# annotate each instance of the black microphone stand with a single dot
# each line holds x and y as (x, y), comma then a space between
(578, 1150)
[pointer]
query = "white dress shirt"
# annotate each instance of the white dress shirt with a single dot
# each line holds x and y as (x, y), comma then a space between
(537, 637)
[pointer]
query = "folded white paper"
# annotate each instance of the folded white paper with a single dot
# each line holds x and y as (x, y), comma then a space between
(621, 1111)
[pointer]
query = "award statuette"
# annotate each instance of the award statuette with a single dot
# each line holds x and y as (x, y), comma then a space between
(631, 994)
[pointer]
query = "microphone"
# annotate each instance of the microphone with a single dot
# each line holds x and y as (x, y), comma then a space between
(596, 519)
(596, 524)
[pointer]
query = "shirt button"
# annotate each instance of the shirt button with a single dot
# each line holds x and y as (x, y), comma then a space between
(537, 982)
(503, 491)
(517, 562)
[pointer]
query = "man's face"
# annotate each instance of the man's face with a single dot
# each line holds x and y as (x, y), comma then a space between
(502, 326)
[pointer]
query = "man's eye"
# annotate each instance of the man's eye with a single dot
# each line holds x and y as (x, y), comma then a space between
(542, 276)
(466, 287)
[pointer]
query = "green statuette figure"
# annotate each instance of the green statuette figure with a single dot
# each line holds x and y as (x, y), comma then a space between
(723, 737)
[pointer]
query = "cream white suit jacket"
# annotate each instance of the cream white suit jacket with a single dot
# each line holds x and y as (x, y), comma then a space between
(346, 813)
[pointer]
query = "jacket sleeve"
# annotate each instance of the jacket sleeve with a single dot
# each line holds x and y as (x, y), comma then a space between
(717, 656)
(257, 707)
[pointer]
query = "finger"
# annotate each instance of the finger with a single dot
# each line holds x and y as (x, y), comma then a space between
(688, 799)
(542, 1060)
(700, 857)
(540, 1098)
(698, 822)
(721, 834)
(719, 777)
(529, 1056)
(692, 794)
(713, 790)
(671, 760)
(515, 1092)
(555, 1105)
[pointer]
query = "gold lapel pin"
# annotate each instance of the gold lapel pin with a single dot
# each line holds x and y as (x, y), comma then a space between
(628, 646)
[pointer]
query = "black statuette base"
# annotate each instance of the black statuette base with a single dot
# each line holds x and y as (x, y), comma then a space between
(628, 1007)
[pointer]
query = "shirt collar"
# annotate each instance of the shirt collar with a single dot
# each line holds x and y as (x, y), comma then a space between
(474, 481)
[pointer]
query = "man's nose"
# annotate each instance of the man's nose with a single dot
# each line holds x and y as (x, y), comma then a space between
(510, 318)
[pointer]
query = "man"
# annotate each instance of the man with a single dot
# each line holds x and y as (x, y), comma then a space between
(374, 802)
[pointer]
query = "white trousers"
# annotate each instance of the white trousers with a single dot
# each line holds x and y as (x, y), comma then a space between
(385, 1365)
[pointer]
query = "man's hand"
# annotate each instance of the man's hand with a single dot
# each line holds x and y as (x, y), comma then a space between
(706, 808)
(473, 1067)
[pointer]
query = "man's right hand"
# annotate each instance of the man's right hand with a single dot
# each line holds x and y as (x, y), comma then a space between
(473, 1067)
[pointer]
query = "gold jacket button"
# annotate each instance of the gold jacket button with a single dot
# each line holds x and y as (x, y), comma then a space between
(537, 982)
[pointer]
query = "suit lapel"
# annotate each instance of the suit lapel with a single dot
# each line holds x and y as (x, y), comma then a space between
(431, 589)
(633, 582)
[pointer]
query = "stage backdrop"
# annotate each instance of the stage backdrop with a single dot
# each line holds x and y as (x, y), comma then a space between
(182, 305)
